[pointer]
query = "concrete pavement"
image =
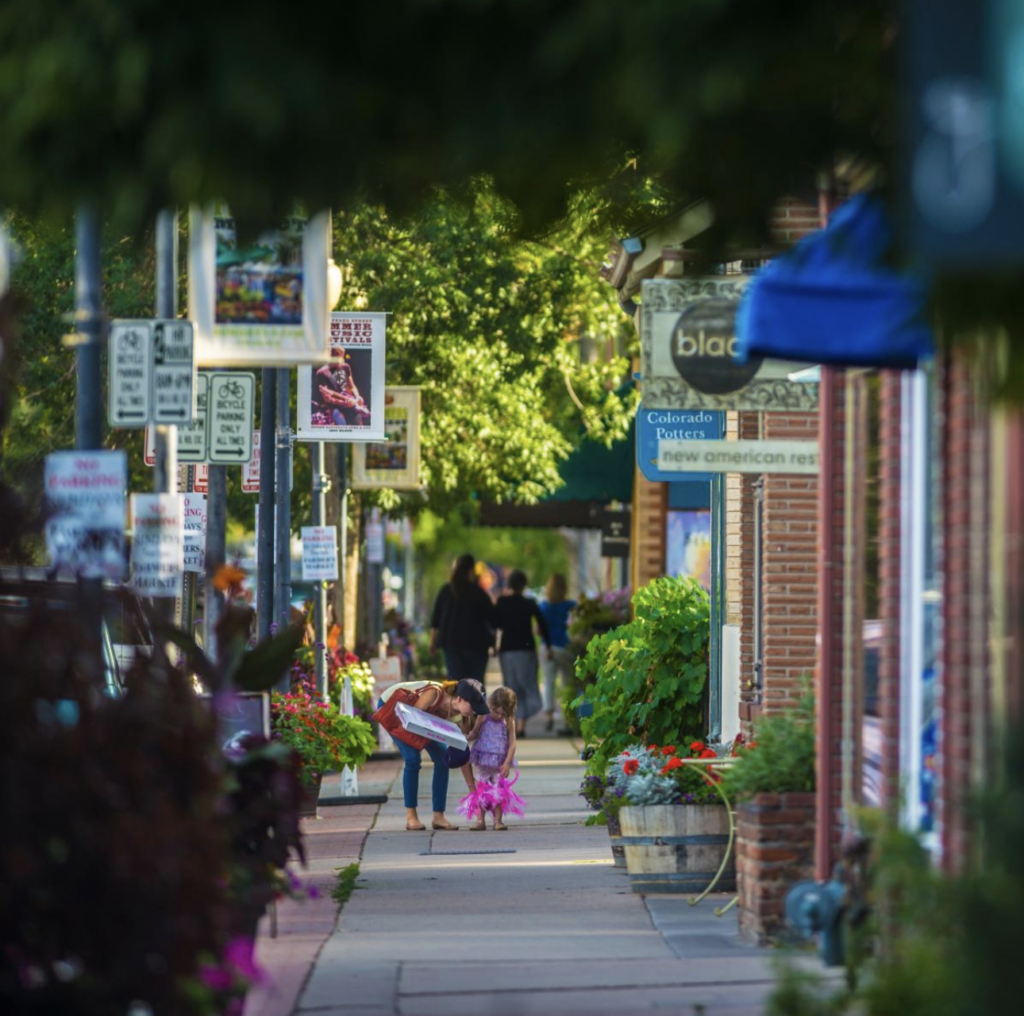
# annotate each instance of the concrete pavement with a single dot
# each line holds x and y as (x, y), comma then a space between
(531, 921)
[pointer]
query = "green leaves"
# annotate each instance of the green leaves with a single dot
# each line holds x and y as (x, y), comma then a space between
(649, 674)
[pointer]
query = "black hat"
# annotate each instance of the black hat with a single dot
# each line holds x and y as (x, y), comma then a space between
(456, 758)
(473, 692)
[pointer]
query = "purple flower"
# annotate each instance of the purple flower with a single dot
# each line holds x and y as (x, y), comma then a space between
(216, 978)
(239, 953)
(313, 892)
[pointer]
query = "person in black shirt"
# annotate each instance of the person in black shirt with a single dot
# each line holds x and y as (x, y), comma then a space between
(518, 651)
(463, 623)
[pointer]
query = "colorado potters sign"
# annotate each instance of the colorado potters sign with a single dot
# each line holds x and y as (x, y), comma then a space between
(688, 342)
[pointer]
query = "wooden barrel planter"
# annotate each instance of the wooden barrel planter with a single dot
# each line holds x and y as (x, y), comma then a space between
(677, 848)
(615, 835)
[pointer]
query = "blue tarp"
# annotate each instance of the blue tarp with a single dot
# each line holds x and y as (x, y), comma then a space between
(832, 300)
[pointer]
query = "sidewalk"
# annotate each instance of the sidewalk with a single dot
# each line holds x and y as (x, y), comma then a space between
(532, 921)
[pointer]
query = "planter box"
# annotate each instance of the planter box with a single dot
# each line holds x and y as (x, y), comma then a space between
(677, 848)
(615, 835)
(774, 850)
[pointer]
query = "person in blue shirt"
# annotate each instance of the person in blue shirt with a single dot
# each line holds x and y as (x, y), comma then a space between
(555, 609)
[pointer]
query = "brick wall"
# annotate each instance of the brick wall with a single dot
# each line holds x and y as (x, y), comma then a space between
(789, 576)
(964, 680)
(647, 552)
(889, 552)
(774, 850)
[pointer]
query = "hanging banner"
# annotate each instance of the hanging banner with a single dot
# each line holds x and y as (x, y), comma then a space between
(395, 463)
(258, 302)
(319, 553)
(688, 346)
(344, 399)
(158, 544)
(85, 496)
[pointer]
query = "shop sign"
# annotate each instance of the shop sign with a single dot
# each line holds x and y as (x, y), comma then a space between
(615, 533)
(656, 425)
(688, 346)
(796, 457)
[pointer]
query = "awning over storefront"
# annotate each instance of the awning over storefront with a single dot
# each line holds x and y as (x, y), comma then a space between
(594, 476)
(832, 299)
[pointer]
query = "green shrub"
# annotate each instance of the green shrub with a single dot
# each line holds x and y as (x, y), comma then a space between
(780, 759)
(650, 673)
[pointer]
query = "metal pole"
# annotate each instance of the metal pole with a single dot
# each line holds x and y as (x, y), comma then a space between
(90, 336)
(216, 540)
(321, 484)
(283, 526)
(165, 468)
(188, 593)
(265, 534)
(343, 538)
(717, 575)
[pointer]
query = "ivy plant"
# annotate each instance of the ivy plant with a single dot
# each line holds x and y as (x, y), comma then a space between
(650, 673)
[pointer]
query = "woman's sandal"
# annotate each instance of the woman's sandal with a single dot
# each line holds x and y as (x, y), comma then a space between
(447, 828)
(410, 828)
(478, 828)
(500, 827)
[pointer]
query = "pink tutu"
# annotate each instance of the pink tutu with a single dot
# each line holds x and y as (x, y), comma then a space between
(489, 796)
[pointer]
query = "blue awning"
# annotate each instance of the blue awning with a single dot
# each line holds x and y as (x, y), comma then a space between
(832, 300)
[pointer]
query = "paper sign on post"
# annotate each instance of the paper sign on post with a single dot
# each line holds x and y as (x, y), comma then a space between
(130, 364)
(416, 721)
(157, 544)
(194, 512)
(85, 530)
(319, 553)
(174, 372)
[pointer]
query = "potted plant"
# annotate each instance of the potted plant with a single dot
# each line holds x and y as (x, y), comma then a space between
(772, 784)
(649, 674)
(325, 738)
(676, 825)
(606, 798)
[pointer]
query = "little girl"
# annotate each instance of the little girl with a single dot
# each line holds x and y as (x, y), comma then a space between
(494, 748)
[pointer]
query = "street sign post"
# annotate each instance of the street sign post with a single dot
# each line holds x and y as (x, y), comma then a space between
(174, 372)
(231, 402)
(130, 371)
(193, 438)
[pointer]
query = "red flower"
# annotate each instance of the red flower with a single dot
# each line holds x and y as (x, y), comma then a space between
(697, 746)
(669, 749)
(672, 763)
(707, 753)
(630, 767)
(626, 753)
(653, 747)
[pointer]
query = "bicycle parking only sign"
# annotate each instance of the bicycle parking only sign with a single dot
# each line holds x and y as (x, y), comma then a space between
(130, 371)
(230, 408)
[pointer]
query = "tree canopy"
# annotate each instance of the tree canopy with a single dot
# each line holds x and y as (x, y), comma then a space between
(146, 104)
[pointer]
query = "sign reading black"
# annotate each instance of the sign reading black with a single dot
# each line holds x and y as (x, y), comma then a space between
(615, 534)
(704, 347)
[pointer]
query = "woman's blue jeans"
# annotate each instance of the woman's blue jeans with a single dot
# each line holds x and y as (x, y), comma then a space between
(411, 776)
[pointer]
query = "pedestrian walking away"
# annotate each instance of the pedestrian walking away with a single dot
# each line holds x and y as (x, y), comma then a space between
(555, 609)
(462, 623)
(494, 748)
(450, 700)
(518, 649)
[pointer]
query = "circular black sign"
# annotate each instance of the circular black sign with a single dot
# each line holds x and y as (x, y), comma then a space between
(704, 346)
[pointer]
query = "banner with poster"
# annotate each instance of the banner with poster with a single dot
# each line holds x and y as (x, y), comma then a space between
(258, 301)
(344, 399)
(395, 463)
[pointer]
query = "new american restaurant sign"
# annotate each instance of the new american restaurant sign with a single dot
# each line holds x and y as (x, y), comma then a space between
(688, 344)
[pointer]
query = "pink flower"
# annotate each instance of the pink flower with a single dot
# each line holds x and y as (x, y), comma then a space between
(239, 953)
(216, 978)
